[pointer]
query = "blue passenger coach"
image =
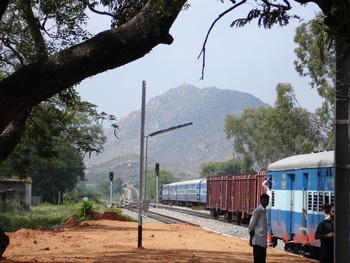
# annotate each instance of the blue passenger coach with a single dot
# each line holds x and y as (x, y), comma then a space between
(186, 193)
(302, 185)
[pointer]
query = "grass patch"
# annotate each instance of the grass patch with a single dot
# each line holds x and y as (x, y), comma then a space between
(46, 215)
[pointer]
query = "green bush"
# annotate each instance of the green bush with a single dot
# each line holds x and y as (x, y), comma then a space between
(86, 211)
(49, 215)
(6, 207)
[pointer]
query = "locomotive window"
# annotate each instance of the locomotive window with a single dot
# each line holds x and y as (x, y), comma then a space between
(332, 199)
(314, 204)
(326, 198)
(320, 201)
(309, 201)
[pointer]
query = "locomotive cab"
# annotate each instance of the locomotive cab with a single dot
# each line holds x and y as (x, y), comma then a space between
(303, 184)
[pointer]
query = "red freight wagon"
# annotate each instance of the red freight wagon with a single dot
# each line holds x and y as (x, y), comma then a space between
(234, 196)
(215, 194)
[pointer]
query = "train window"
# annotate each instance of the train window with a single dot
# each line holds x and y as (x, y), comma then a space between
(326, 198)
(309, 201)
(314, 203)
(273, 198)
(320, 201)
(332, 199)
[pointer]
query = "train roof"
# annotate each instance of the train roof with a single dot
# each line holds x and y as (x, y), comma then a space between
(194, 181)
(304, 161)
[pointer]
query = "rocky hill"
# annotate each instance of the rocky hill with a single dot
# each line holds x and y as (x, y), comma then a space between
(181, 151)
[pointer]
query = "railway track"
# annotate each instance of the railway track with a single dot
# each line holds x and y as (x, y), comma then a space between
(199, 213)
(133, 196)
(160, 217)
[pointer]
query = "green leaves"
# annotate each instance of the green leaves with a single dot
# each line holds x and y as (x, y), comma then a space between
(267, 14)
(316, 59)
(265, 135)
(232, 166)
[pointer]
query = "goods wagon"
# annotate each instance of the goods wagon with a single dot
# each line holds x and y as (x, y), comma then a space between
(235, 196)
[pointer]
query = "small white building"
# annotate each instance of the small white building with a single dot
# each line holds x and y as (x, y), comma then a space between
(17, 192)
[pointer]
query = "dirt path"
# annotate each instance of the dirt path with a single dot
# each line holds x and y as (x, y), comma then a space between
(116, 241)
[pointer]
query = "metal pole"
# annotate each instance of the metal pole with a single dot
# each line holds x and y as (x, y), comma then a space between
(110, 193)
(157, 182)
(145, 198)
(341, 156)
(142, 150)
(169, 129)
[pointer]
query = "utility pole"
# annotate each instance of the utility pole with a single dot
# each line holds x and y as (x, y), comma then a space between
(157, 183)
(142, 150)
(110, 188)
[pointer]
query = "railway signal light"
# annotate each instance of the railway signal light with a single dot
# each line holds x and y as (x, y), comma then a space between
(111, 176)
(157, 169)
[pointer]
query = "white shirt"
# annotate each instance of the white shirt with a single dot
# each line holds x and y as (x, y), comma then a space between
(258, 222)
(267, 190)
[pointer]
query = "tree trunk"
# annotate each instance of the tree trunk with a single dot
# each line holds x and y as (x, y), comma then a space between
(342, 157)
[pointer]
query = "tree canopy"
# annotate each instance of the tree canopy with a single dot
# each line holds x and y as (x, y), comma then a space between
(232, 166)
(45, 49)
(268, 134)
(316, 58)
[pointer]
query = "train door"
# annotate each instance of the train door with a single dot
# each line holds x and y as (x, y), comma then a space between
(221, 193)
(304, 200)
(291, 187)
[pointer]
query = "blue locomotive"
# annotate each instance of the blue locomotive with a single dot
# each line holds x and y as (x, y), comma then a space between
(302, 184)
(187, 193)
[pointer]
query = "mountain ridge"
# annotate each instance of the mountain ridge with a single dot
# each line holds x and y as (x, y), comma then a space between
(181, 151)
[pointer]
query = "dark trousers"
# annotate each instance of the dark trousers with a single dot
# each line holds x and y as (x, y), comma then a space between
(259, 254)
(4, 242)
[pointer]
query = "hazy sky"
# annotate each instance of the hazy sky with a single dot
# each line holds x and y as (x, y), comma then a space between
(249, 59)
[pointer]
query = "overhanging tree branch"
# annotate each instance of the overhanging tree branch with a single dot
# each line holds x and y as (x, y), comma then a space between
(202, 53)
(109, 49)
(267, 14)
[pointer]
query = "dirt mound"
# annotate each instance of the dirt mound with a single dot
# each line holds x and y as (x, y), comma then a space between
(108, 216)
(74, 220)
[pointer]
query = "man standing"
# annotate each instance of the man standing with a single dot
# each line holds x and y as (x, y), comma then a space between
(325, 232)
(258, 230)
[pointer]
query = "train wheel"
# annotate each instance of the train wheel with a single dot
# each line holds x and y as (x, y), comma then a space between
(239, 218)
(274, 241)
(216, 215)
(229, 217)
(234, 217)
(226, 217)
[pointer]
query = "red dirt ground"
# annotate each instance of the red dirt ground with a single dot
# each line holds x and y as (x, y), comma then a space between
(112, 239)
